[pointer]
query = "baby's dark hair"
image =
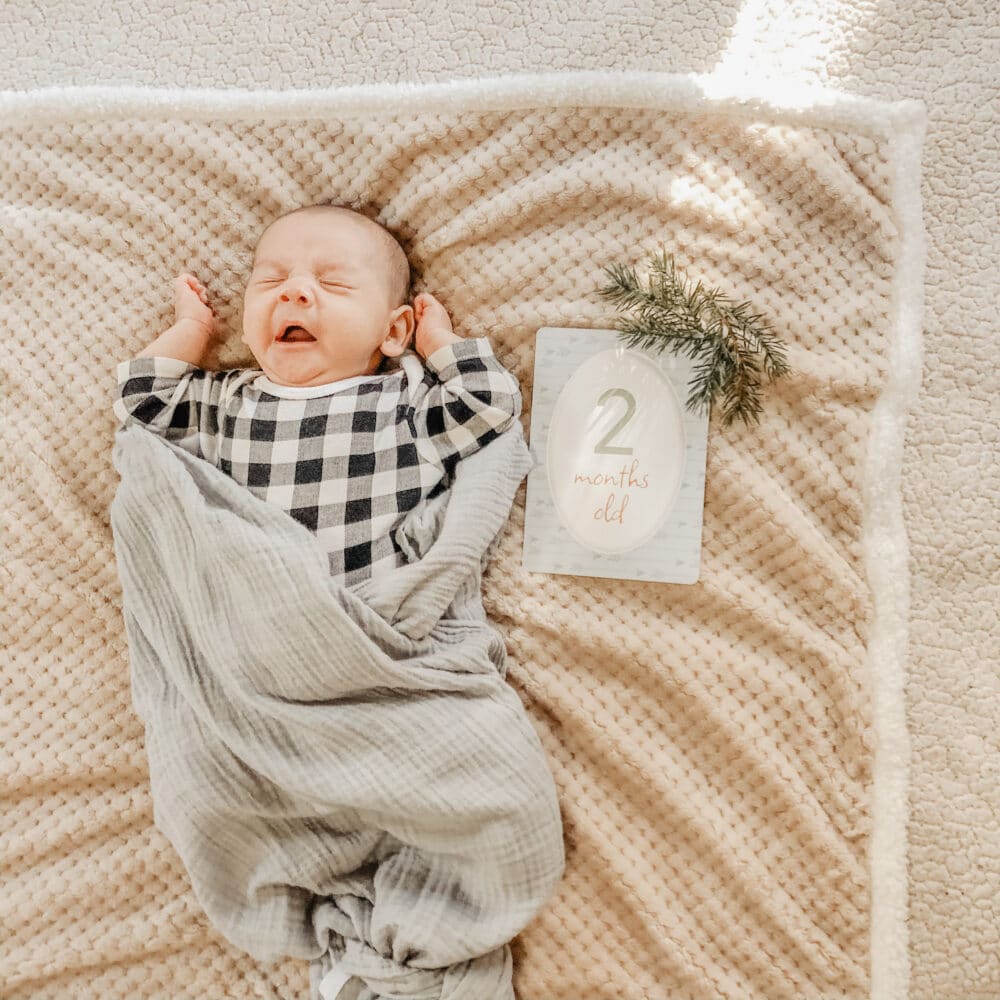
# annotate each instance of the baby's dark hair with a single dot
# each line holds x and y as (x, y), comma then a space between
(394, 256)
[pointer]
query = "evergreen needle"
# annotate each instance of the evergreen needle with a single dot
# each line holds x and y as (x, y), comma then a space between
(724, 338)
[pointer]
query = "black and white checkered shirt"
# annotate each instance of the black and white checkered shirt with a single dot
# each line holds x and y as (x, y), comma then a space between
(348, 459)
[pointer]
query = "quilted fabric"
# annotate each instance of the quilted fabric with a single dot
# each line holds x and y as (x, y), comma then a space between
(715, 746)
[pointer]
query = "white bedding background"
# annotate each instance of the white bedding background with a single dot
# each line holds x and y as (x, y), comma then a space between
(945, 55)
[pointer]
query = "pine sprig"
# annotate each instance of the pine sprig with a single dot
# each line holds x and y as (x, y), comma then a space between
(706, 325)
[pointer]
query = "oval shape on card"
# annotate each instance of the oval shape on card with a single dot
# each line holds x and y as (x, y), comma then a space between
(615, 452)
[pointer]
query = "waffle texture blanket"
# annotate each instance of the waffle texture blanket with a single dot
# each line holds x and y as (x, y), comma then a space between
(731, 756)
(344, 772)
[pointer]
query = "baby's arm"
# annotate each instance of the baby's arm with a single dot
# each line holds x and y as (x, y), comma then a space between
(174, 399)
(184, 341)
(466, 400)
(164, 388)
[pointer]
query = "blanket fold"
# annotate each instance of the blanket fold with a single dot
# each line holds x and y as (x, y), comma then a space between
(344, 771)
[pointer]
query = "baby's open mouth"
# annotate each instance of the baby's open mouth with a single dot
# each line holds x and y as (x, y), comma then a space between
(293, 334)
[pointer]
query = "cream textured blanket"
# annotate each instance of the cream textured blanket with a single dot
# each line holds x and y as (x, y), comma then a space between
(731, 756)
(343, 770)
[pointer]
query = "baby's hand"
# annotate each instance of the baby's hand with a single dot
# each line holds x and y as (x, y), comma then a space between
(191, 302)
(433, 325)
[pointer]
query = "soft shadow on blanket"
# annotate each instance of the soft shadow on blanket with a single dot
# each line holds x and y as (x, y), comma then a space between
(345, 772)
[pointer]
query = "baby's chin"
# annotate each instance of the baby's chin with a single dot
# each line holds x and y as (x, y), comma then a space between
(297, 365)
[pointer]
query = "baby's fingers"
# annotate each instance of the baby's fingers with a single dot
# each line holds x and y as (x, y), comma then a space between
(423, 302)
(190, 281)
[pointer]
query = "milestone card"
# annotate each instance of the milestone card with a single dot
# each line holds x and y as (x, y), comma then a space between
(618, 485)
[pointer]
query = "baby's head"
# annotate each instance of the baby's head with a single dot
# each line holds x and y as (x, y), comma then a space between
(340, 276)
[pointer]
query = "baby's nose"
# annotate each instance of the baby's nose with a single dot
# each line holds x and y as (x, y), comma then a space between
(296, 291)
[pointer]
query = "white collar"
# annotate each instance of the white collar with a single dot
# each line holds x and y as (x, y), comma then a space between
(409, 362)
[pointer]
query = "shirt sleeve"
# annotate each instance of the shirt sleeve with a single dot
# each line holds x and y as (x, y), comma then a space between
(466, 400)
(174, 399)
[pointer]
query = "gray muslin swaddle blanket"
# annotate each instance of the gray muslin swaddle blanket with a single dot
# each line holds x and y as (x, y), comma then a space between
(344, 771)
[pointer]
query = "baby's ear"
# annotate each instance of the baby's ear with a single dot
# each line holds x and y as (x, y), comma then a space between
(406, 315)
(399, 336)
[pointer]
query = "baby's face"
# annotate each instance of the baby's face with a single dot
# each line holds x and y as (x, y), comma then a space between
(323, 274)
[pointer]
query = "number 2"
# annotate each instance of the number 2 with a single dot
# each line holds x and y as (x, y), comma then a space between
(602, 447)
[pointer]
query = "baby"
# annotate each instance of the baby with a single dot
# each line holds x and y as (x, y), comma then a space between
(345, 449)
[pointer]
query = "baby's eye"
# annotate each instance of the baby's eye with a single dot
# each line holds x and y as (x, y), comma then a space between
(271, 281)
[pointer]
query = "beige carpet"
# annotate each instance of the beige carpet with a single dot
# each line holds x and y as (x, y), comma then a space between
(730, 755)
